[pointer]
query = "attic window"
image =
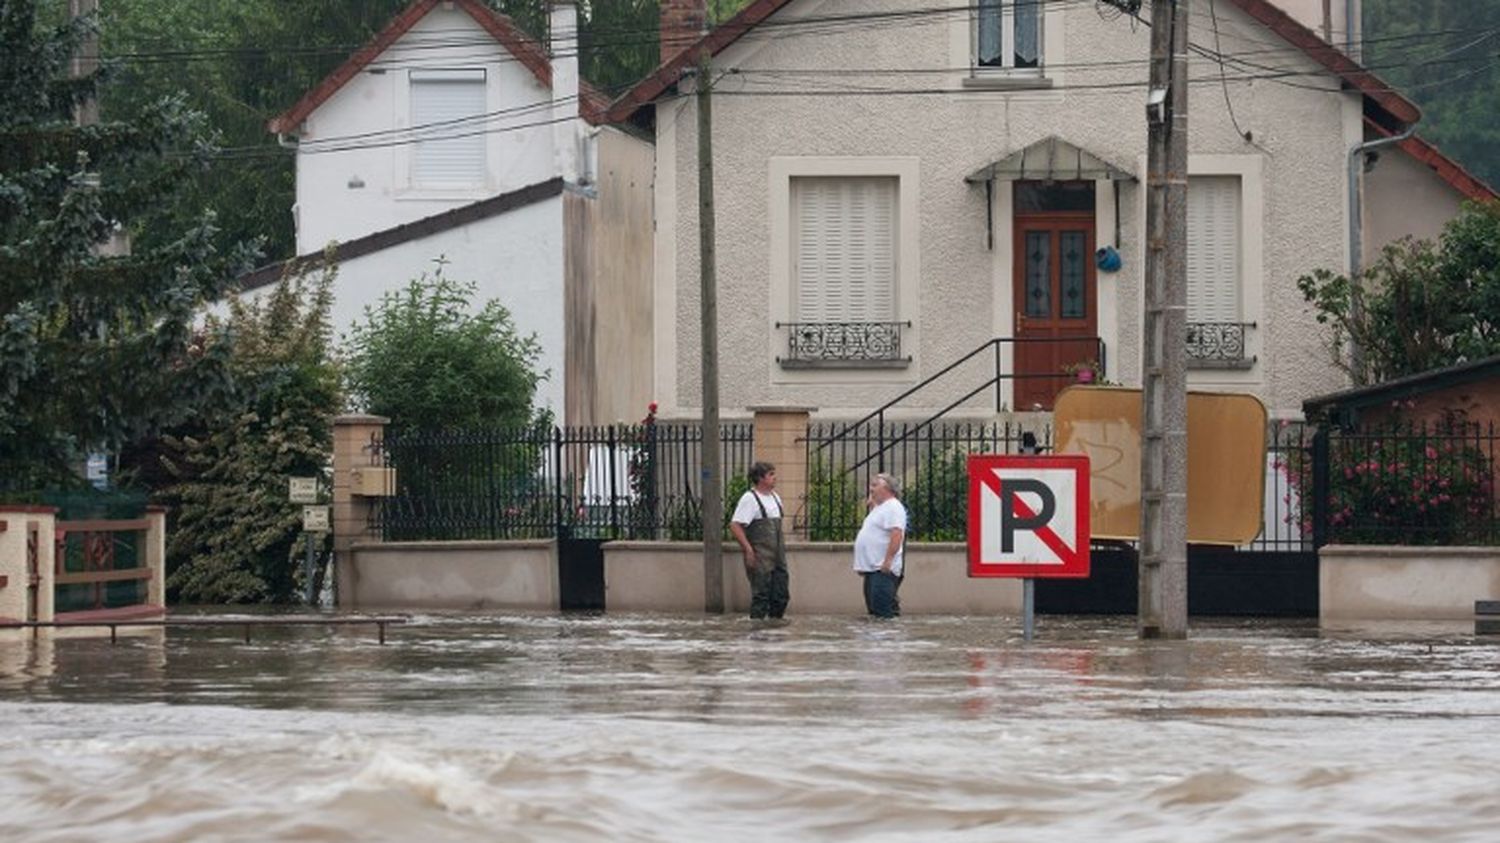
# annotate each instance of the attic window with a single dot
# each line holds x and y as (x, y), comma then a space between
(447, 110)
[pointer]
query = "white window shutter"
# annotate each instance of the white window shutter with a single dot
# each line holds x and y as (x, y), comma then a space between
(450, 139)
(844, 261)
(1213, 249)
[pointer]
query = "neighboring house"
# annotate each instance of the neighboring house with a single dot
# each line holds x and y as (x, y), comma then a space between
(455, 135)
(897, 187)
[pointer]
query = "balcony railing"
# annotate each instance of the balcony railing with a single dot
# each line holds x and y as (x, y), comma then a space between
(813, 344)
(1218, 345)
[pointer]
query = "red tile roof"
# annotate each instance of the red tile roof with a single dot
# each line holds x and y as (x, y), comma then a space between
(523, 47)
(1269, 15)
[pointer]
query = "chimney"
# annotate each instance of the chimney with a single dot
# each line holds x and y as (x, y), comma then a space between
(683, 22)
(562, 46)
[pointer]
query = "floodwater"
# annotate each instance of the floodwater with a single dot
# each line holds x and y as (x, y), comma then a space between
(632, 727)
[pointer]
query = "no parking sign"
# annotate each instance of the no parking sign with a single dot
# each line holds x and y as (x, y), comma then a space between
(1029, 516)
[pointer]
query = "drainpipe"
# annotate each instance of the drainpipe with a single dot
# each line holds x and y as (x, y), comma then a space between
(1357, 155)
(1351, 45)
(281, 140)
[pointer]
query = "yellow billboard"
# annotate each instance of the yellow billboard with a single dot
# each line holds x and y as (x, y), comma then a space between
(1226, 460)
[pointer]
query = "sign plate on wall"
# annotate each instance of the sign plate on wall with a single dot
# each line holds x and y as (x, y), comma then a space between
(1029, 516)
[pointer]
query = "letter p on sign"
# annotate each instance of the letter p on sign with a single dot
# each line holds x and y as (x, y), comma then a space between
(1028, 516)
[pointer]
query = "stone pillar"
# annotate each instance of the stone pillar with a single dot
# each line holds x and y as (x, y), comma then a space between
(20, 528)
(359, 476)
(156, 556)
(780, 434)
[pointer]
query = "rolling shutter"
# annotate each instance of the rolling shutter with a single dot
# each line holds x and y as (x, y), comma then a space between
(1213, 249)
(448, 152)
(844, 261)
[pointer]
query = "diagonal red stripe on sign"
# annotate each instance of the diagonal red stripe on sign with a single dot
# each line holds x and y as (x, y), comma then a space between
(1046, 534)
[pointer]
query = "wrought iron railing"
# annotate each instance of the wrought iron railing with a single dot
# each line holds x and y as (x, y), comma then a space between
(614, 482)
(814, 343)
(1217, 343)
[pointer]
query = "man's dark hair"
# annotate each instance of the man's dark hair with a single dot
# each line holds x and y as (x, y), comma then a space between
(758, 472)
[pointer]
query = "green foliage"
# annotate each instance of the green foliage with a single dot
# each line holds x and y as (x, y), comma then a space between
(425, 360)
(96, 349)
(1422, 305)
(835, 503)
(236, 537)
(1432, 51)
(937, 502)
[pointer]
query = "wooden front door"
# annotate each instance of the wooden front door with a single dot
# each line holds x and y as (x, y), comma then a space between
(1055, 302)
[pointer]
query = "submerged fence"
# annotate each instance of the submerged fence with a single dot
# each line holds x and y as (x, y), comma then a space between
(613, 482)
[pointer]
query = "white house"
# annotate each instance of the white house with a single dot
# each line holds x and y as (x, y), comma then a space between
(898, 186)
(453, 134)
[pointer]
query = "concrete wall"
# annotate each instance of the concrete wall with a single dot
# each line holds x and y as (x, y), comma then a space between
(1295, 164)
(454, 575)
(516, 257)
(1406, 583)
(378, 101)
(668, 577)
(608, 267)
(1404, 198)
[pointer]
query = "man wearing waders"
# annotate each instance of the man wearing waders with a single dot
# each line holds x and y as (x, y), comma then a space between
(756, 525)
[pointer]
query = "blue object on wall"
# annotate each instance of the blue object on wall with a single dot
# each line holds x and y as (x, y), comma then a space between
(1108, 259)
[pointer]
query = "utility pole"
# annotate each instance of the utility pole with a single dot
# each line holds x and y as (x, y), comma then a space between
(708, 309)
(86, 60)
(1163, 552)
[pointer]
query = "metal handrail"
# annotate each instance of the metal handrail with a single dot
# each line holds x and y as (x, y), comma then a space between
(379, 622)
(878, 414)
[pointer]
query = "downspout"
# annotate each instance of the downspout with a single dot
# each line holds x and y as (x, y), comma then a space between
(1357, 155)
(281, 140)
(1350, 43)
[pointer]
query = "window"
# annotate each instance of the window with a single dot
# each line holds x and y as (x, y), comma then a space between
(1213, 251)
(1008, 35)
(844, 249)
(446, 107)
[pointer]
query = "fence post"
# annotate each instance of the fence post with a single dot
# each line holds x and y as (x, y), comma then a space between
(18, 600)
(779, 438)
(156, 556)
(358, 478)
(1320, 465)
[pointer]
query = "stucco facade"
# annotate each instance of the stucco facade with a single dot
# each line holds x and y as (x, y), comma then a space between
(354, 165)
(954, 287)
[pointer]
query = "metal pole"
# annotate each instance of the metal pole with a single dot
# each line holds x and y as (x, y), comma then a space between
(1028, 608)
(308, 567)
(86, 60)
(1163, 558)
(713, 488)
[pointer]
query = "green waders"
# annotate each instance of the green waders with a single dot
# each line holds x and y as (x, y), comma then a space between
(769, 590)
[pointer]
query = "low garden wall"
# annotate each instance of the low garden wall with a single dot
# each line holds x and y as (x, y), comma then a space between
(451, 575)
(1378, 582)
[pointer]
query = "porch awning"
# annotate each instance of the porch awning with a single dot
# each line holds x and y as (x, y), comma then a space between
(1050, 159)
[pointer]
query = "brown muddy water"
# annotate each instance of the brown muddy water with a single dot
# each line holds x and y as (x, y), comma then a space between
(632, 727)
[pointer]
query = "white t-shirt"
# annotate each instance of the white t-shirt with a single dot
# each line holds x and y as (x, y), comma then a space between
(746, 510)
(875, 537)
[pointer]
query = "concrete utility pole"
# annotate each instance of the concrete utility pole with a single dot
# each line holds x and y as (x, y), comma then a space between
(86, 60)
(713, 485)
(1163, 553)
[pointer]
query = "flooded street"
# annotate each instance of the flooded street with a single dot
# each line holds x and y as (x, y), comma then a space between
(604, 728)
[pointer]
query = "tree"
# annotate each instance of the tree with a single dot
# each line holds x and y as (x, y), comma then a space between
(426, 359)
(95, 349)
(1438, 53)
(1423, 305)
(234, 538)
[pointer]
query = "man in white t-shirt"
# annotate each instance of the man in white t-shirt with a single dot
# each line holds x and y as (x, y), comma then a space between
(879, 549)
(756, 525)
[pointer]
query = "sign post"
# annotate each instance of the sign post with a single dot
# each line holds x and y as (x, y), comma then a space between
(315, 522)
(1029, 519)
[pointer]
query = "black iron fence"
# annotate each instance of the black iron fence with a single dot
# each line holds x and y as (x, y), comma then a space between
(614, 482)
(1405, 484)
(930, 460)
